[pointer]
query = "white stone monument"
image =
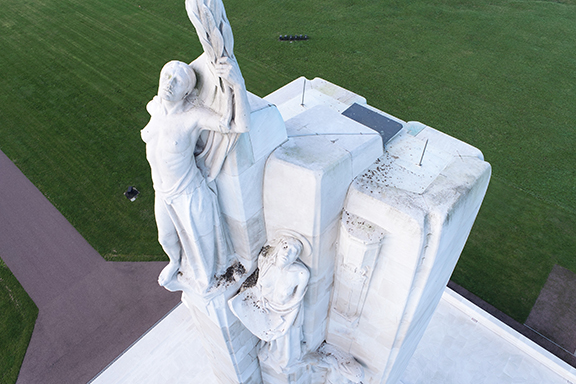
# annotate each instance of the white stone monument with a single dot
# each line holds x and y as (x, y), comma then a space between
(309, 247)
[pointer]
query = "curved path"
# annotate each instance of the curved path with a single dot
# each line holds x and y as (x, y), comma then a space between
(90, 310)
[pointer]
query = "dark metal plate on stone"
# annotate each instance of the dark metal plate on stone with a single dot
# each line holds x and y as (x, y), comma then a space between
(387, 128)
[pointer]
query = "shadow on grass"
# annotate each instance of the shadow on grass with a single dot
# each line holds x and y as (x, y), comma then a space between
(17, 318)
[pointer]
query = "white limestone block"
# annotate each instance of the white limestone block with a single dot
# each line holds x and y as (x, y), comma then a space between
(288, 99)
(240, 196)
(315, 160)
(360, 242)
(228, 344)
(316, 302)
(240, 180)
(447, 143)
(309, 200)
(266, 131)
(248, 237)
(302, 188)
(362, 143)
(305, 184)
(425, 213)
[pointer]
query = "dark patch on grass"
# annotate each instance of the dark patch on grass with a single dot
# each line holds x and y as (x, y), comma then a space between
(17, 318)
(514, 244)
(554, 314)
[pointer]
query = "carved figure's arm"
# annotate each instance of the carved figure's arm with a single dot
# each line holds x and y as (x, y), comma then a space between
(300, 290)
(228, 70)
(207, 119)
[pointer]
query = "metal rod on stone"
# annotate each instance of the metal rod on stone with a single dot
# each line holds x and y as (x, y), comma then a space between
(303, 91)
(423, 151)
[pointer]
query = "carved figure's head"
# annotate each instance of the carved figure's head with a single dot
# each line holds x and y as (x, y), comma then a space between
(177, 80)
(287, 251)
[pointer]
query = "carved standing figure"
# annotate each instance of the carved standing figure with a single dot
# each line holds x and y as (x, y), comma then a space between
(272, 309)
(186, 207)
(196, 119)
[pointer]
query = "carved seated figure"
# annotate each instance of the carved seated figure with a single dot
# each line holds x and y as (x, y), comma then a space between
(271, 309)
(341, 367)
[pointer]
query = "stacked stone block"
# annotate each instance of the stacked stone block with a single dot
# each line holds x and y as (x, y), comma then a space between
(305, 185)
(231, 348)
(240, 180)
(424, 213)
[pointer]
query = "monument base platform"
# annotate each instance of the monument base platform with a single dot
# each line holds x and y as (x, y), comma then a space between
(381, 209)
(462, 344)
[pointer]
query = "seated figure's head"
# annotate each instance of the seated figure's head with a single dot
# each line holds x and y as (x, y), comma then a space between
(287, 251)
(177, 80)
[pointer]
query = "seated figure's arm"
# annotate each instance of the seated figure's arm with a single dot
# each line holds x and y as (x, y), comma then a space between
(300, 290)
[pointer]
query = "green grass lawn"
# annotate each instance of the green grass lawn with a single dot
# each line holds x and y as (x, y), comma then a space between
(500, 75)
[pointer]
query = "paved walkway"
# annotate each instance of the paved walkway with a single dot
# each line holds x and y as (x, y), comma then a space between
(90, 310)
(554, 313)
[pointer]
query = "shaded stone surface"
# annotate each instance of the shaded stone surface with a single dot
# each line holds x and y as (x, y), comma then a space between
(554, 313)
(387, 128)
(90, 310)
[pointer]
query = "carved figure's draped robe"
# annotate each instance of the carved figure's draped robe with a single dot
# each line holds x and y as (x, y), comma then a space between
(185, 205)
(278, 325)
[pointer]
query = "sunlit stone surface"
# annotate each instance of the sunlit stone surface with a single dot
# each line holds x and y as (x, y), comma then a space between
(462, 344)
